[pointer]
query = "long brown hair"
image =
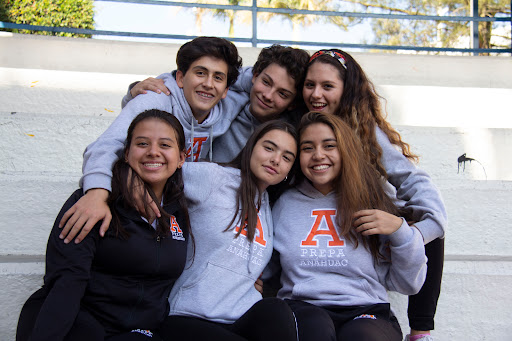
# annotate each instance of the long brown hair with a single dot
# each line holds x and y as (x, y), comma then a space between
(248, 190)
(122, 174)
(358, 186)
(360, 108)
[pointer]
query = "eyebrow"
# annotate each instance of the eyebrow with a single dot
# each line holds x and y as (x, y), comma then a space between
(145, 137)
(326, 140)
(277, 147)
(200, 67)
(283, 89)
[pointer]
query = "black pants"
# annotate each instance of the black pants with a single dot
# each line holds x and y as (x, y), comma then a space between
(422, 306)
(85, 327)
(361, 323)
(268, 319)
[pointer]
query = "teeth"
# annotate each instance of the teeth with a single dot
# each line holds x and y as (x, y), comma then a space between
(205, 95)
(321, 167)
(318, 105)
(153, 165)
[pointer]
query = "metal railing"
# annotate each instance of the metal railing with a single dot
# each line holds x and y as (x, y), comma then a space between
(255, 41)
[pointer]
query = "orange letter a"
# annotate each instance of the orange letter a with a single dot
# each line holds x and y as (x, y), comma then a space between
(323, 214)
(258, 235)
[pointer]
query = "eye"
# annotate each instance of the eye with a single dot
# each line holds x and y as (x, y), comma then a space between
(141, 144)
(268, 148)
(287, 158)
(329, 146)
(266, 82)
(283, 94)
(165, 145)
(200, 73)
(309, 85)
(219, 78)
(306, 149)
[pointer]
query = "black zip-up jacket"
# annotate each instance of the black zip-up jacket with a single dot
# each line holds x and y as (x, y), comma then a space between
(124, 284)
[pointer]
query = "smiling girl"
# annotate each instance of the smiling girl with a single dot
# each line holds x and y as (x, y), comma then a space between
(116, 287)
(341, 241)
(336, 84)
(215, 298)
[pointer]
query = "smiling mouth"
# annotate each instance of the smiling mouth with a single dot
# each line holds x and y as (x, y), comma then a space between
(320, 167)
(318, 105)
(204, 94)
(153, 165)
(270, 169)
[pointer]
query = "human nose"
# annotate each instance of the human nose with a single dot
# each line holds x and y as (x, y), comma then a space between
(318, 154)
(153, 151)
(274, 159)
(267, 96)
(317, 92)
(208, 82)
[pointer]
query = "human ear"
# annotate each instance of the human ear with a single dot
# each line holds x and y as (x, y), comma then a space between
(182, 159)
(179, 78)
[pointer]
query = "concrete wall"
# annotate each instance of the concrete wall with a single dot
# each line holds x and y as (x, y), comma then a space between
(59, 94)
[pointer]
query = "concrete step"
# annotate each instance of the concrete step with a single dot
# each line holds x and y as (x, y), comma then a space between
(55, 142)
(32, 201)
(472, 286)
(99, 94)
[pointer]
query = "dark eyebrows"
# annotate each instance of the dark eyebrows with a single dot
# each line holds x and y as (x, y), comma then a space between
(145, 137)
(277, 147)
(200, 67)
(323, 141)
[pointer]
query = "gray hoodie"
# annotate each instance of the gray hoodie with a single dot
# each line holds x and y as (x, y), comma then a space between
(324, 269)
(229, 145)
(218, 283)
(100, 155)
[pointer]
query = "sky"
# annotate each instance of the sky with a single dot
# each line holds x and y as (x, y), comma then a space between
(175, 20)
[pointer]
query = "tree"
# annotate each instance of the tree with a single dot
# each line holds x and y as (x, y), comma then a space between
(297, 19)
(431, 33)
(54, 13)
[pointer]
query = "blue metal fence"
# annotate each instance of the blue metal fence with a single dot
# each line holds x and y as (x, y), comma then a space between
(255, 41)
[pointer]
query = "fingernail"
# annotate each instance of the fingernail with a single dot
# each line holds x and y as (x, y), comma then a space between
(77, 241)
(66, 241)
(61, 236)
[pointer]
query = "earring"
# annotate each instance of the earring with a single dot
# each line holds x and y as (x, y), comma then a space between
(286, 178)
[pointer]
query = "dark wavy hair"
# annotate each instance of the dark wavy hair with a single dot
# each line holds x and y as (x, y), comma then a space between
(212, 47)
(123, 174)
(295, 61)
(248, 190)
(358, 186)
(360, 108)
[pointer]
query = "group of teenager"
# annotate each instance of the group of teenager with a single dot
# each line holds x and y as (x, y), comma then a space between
(218, 183)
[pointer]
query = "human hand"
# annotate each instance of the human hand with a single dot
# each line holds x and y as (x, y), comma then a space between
(153, 84)
(259, 285)
(84, 214)
(369, 222)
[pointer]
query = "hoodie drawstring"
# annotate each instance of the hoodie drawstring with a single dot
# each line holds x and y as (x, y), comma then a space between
(211, 143)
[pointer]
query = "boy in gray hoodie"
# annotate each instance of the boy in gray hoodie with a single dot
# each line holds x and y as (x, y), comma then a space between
(199, 98)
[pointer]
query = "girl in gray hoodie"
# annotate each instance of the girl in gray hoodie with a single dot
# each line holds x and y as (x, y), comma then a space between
(341, 242)
(215, 298)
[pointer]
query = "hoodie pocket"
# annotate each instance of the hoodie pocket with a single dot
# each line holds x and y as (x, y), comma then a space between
(218, 294)
(343, 289)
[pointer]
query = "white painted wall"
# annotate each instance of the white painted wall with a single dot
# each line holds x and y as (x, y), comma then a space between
(58, 94)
